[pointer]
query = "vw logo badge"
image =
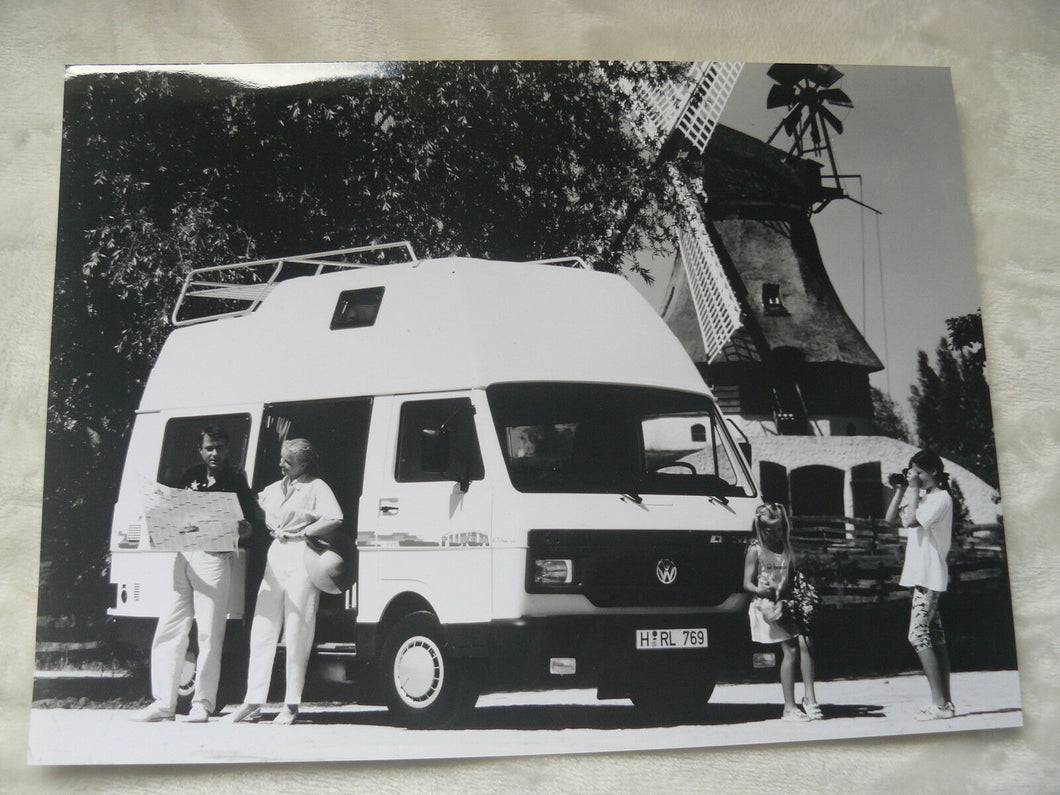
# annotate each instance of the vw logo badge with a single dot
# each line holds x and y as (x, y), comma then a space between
(666, 571)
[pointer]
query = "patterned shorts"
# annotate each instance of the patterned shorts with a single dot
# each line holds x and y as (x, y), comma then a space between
(925, 623)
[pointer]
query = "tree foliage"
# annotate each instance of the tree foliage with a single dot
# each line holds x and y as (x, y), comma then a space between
(951, 401)
(162, 173)
(886, 420)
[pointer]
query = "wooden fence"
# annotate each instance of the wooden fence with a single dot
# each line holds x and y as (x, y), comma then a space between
(859, 561)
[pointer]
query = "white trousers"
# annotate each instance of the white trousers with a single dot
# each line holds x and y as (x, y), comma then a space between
(201, 582)
(288, 599)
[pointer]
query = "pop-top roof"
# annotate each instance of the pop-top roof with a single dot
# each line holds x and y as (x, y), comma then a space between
(441, 325)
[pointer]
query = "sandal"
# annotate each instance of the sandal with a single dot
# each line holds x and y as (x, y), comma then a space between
(813, 710)
(245, 713)
(935, 712)
(285, 717)
(794, 716)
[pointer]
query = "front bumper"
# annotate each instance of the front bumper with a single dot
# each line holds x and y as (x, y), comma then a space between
(600, 650)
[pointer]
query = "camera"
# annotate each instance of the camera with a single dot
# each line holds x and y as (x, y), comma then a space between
(897, 479)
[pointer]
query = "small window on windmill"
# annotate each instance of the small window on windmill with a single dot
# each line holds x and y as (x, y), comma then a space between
(699, 433)
(357, 308)
(772, 304)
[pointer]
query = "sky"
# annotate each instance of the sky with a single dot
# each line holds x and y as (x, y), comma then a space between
(901, 136)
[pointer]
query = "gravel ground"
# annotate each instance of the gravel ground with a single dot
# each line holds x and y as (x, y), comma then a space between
(517, 724)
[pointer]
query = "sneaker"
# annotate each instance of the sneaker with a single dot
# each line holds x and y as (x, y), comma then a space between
(812, 709)
(285, 717)
(794, 716)
(244, 713)
(935, 712)
(198, 714)
(154, 713)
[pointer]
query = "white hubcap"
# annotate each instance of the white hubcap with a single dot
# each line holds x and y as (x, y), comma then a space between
(418, 671)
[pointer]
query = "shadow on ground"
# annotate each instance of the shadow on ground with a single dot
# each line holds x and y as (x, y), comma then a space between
(605, 716)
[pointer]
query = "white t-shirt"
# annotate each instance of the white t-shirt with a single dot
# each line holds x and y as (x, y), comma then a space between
(306, 500)
(929, 541)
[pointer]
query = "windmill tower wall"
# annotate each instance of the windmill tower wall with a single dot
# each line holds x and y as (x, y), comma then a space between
(811, 372)
(821, 354)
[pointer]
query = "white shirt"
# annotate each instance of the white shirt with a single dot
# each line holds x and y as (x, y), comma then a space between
(929, 541)
(294, 505)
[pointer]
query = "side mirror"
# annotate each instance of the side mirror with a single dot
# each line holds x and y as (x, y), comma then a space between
(434, 450)
(448, 450)
(459, 468)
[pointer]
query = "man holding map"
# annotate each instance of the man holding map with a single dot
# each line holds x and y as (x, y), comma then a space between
(200, 591)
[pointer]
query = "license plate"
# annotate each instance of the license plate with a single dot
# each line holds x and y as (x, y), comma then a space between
(671, 638)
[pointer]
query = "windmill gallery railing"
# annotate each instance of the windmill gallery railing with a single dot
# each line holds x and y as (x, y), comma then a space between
(858, 561)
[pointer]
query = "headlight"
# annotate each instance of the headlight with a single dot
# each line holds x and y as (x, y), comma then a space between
(553, 571)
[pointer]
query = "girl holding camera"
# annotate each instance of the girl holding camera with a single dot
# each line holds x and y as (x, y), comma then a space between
(922, 504)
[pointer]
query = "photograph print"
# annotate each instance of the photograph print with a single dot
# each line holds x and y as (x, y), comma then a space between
(536, 407)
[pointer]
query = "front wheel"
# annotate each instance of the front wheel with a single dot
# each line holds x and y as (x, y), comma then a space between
(423, 685)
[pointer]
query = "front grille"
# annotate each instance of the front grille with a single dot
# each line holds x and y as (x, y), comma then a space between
(627, 568)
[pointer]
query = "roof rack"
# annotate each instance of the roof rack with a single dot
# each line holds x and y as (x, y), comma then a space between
(244, 285)
(569, 262)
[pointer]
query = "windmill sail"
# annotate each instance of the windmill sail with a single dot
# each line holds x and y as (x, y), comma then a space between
(693, 107)
(715, 302)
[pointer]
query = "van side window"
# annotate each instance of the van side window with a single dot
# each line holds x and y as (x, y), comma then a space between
(180, 444)
(357, 308)
(456, 415)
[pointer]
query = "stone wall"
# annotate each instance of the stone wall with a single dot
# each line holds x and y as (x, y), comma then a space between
(846, 452)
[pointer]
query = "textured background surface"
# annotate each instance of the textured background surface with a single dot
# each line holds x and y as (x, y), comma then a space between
(1005, 58)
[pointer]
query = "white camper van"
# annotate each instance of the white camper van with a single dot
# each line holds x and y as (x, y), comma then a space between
(542, 490)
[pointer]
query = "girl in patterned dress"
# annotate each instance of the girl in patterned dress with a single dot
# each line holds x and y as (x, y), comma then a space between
(768, 567)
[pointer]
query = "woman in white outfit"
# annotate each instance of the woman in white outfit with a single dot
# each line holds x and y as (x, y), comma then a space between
(296, 506)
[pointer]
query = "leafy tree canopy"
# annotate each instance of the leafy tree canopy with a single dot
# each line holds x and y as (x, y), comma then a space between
(951, 401)
(885, 417)
(162, 173)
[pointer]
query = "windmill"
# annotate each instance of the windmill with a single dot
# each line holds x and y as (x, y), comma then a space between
(691, 107)
(770, 334)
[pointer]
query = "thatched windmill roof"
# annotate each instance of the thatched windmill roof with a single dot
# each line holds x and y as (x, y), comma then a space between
(758, 220)
(741, 171)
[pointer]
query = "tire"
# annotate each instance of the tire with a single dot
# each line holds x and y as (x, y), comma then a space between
(684, 697)
(186, 683)
(423, 685)
(186, 687)
(233, 680)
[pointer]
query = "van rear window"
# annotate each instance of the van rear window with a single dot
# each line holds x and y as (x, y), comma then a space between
(357, 308)
(183, 438)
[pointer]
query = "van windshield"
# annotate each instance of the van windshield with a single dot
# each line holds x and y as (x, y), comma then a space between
(561, 437)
